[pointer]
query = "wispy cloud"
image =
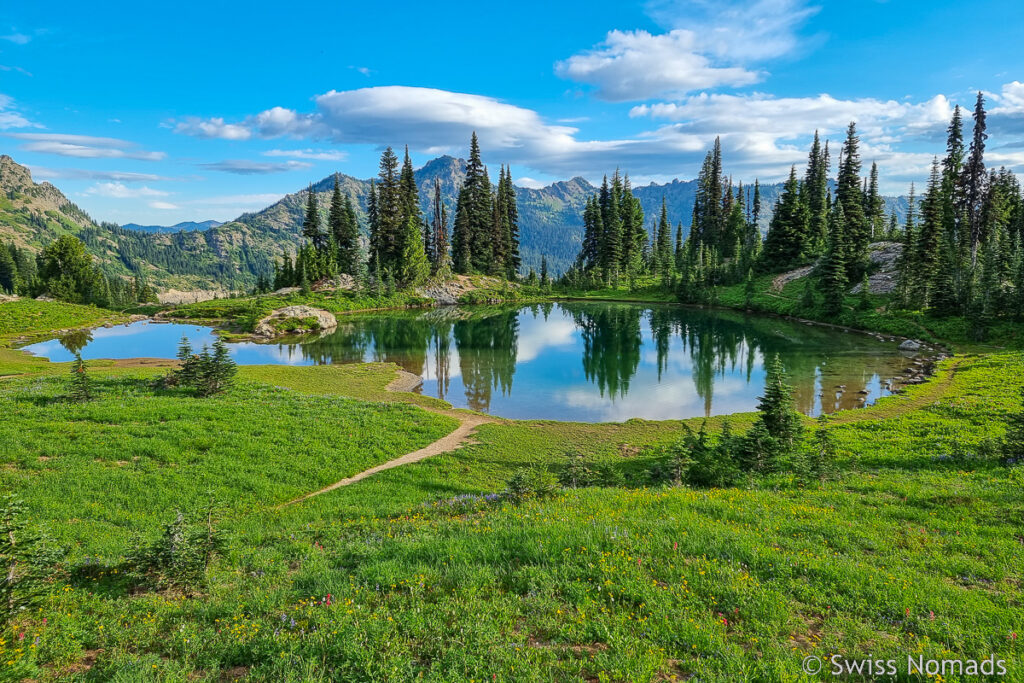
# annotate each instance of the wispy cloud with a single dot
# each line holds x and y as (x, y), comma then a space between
(89, 174)
(5, 67)
(245, 167)
(84, 146)
(10, 117)
(311, 154)
(115, 190)
(16, 38)
(167, 206)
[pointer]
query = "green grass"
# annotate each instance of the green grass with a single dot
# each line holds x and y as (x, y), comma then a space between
(914, 549)
(28, 316)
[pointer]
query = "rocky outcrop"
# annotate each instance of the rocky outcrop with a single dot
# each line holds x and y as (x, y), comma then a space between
(884, 257)
(173, 296)
(4, 298)
(449, 292)
(295, 320)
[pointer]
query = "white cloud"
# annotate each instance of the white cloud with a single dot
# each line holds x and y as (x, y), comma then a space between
(163, 206)
(9, 116)
(762, 135)
(117, 190)
(709, 45)
(212, 128)
(526, 181)
(636, 65)
(17, 38)
(245, 167)
(313, 154)
(84, 146)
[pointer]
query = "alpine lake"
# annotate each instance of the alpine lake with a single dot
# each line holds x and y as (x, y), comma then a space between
(574, 361)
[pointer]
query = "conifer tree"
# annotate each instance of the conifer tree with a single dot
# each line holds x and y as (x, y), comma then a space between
(461, 236)
(778, 428)
(816, 192)
(344, 231)
(391, 226)
(928, 254)
(311, 222)
(850, 196)
(663, 244)
(81, 383)
(414, 266)
(440, 258)
(874, 206)
(787, 231)
(974, 177)
(833, 278)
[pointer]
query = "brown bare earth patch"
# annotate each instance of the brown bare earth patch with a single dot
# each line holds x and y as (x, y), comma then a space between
(144, 363)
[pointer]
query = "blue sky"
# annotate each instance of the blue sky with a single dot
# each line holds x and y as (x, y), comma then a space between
(161, 113)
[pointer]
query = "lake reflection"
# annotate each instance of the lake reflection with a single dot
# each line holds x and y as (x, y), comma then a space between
(571, 361)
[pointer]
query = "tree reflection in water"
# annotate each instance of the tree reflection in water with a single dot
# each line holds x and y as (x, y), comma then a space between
(620, 349)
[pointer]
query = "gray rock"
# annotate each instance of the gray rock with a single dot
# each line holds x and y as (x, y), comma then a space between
(911, 345)
(325, 320)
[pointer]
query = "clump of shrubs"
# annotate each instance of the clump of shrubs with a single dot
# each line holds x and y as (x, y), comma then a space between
(207, 372)
(29, 560)
(774, 444)
(180, 557)
(1013, 443)
(529, 484)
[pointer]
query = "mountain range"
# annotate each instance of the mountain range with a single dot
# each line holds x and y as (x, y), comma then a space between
(231, 255)
(184, 226)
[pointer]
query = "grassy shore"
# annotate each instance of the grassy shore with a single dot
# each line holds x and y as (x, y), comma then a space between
(915, 548)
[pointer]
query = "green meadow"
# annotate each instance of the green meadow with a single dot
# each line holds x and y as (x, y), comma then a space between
(914, 547)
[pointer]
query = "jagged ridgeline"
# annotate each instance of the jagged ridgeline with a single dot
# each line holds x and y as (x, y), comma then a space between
(237, 253)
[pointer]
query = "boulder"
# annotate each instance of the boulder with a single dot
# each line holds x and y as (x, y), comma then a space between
(911, 345)
(295, 320)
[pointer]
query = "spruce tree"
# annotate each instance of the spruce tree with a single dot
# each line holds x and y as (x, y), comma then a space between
(832, 268)
(461, 236)
(663, 246)
(440, 258)
(776, 414)
(974, 177)
(311, 222)
(389, 209)
(415, 268)
(850, 196)
(81, 383)
(788, 230)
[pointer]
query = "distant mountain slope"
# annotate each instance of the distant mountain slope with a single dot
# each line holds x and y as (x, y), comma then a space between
(185, 226)
(34, 214)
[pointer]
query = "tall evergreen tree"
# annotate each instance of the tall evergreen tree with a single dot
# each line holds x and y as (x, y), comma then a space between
(787, 232)
(440, 258)
(832, 269)
(857, 232)
(311, 222)
(974, 177)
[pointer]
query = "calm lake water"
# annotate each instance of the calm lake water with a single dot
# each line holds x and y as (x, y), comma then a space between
(565, 361)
